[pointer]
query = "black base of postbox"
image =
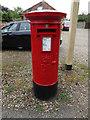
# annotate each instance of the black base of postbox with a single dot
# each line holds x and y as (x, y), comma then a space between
(44, 92)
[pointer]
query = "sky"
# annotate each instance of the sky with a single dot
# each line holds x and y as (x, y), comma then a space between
(59, 5)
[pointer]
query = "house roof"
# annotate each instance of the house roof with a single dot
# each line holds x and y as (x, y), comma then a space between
(43, 1)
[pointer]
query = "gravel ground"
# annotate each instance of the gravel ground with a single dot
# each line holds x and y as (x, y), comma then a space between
(71, 100)
(0, 85)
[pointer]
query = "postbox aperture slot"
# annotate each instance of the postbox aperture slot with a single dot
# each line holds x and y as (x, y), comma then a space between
(46, 30)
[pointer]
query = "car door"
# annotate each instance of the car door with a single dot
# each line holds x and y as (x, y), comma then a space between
(9, 35)
(12, 35)
(5, 38)
(24, 35)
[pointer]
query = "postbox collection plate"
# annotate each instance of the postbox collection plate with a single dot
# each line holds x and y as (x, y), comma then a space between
(46, 43)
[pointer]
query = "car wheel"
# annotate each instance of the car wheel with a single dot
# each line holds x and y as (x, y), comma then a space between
(60, 42)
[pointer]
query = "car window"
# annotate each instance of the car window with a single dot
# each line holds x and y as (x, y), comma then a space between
(6, 28)
(25, 26)
(67, 23)
(13, 27)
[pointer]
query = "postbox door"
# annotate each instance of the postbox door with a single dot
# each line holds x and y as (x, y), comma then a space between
(49, 58)
(46, 57)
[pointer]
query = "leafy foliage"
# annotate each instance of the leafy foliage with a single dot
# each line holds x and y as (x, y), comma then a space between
(7, 15)
(1, 15)
(82, 17)
(16, 13)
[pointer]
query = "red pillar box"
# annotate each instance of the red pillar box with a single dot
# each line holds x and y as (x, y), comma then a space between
(45, 42)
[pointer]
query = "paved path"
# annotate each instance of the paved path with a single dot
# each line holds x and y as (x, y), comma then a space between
(81, 46)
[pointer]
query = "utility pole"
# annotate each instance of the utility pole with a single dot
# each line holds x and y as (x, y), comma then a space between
(72, 33)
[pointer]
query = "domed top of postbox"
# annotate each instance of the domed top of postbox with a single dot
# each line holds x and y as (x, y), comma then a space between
(43, 16)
